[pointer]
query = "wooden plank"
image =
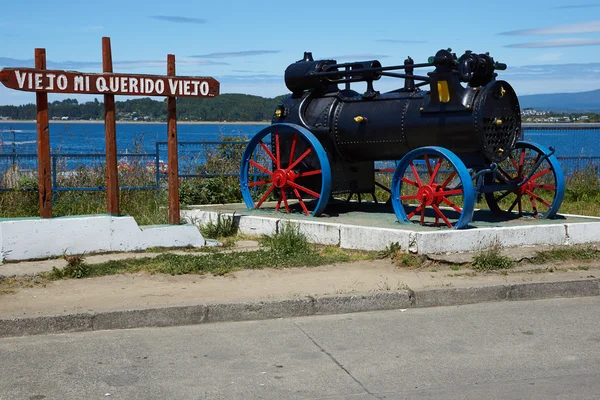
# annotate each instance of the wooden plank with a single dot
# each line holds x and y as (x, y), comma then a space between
(174, 215)
(43, 144)
(72, 82)
(110, 133)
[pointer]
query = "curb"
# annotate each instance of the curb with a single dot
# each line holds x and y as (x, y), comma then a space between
(297, 307)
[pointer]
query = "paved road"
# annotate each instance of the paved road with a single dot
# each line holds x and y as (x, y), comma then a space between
(548, 349)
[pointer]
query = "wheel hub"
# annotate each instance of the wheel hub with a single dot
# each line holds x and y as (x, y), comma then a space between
(280, 178)
(528, 186)
(427, 194)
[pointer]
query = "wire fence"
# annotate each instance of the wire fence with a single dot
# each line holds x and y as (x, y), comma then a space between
(206, 159)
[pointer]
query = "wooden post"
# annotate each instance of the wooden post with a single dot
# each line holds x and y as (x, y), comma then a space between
(110, 133)
(43, 144)
(173, 164)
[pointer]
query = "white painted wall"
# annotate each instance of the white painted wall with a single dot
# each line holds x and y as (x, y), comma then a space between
(25, 239)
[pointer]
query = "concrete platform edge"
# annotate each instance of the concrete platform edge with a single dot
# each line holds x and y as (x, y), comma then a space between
(293, 307)
(361, 237)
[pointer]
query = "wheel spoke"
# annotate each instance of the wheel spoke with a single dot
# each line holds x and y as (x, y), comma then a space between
(533, 195)
(406, 180)
(262, 199)
(277, 150)
(302, 188)
(285, 202)
(428, 165)
(503, 196)
(423, 216)
(436, 170)
(547, 187)
(451, 204)
(514, 203)
(533, 205)
(539, 174)
(450, 192)
(307, 152)
(515, 164)
(505, 174)
(258, 183)
(447, 181)
(522, 161)
(415, 173)
(411, 197)
(278, 204)
(441, 214)
(309, 173)
(294, 140)
(260, 167)
(412, 214)
(301, 202)
(264, 146)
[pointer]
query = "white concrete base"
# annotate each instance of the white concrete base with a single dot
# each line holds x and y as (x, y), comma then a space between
(417, 241)
(26, 239)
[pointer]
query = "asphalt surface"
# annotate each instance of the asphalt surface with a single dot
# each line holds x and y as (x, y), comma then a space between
(544, 349)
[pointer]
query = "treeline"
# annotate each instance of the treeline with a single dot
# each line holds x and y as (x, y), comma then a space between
(225, 107)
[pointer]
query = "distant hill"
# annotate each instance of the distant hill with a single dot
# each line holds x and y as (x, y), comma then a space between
(243, 107)
(226, 107)
(563, 102)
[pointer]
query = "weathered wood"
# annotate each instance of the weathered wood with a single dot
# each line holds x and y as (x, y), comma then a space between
(174, 215)
(57, 81)
(110, 133)
(43, 144)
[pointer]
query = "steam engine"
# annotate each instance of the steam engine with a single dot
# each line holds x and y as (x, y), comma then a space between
(453, 142)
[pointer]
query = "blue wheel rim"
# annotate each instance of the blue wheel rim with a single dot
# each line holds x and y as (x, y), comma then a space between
(468, 191)
(287, 129)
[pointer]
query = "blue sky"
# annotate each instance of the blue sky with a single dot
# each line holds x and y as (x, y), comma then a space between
(550, 46)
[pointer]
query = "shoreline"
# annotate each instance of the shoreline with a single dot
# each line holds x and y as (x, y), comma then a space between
(79, 121)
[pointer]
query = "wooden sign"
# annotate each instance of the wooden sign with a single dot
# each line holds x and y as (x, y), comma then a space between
(43, 81)
(54, 81)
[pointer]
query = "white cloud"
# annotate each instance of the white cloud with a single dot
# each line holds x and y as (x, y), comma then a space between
(563, 42)
(567, 29)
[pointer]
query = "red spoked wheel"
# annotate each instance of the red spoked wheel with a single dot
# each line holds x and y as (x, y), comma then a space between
(539, 195)
(432, 186)
(286, 168)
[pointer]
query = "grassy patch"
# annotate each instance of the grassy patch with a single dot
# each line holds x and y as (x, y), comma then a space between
(491, 259)
(586, 253)
(76, 268)
(223, 227)
(286, 249)
(400, 258)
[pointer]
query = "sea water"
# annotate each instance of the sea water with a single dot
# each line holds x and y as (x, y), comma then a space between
(82, 137)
